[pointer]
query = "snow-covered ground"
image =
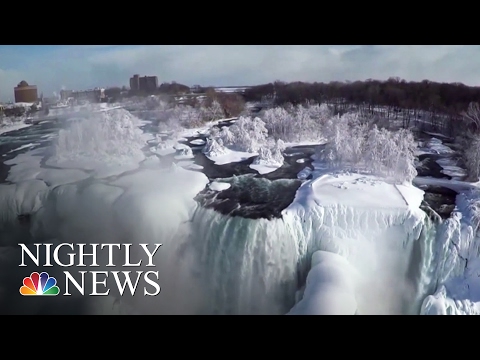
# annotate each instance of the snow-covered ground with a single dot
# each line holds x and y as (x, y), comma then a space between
(435, 146)
(8, 126)
(219, 186)
(451, 168)
(447, 161)
(230, 156)
(26, 146)
(19, 104)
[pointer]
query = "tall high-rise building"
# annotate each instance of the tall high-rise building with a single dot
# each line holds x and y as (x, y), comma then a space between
(144, 83)
(25, 93)
(135, 82)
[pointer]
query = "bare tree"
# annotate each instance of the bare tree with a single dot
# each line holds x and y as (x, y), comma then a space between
(472, 115)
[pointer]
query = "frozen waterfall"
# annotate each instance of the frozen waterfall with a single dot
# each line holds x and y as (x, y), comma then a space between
(347, 244)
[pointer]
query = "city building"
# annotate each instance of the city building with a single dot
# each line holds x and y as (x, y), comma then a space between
(92, 95)
(65, 94)
(25, 93)
(144, 83)
(49, 101)
(135, 82)
(148, 83)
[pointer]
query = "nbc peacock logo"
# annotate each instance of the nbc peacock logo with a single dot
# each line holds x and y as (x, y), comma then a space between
(39, 284)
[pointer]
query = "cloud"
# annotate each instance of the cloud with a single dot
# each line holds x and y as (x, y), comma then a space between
(86, 66)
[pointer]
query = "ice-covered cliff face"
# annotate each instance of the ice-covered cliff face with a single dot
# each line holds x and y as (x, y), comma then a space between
(376, 227)
(149, 206)
(456, 264)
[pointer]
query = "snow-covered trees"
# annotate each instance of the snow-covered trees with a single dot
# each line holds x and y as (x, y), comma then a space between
(472, 157)
(264, 157)
(214, 147)
(405, 155)
(377, 151)
(277, 151)
(296, 123)
(174, 117)
(246, 134)
(349, 141)
(280, 124)
(271, 154)
(345, 143)
(472, 141)
(213, 112)
(472, 115)
(390, 154)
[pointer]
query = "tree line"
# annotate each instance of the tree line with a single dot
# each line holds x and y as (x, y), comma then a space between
(424, 95)
(442, 102)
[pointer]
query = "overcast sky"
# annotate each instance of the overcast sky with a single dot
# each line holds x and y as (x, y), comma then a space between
(87, 66)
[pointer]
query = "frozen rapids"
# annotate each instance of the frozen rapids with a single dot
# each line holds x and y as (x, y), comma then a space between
(369, 251)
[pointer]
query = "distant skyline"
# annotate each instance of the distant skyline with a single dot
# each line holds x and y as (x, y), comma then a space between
(52, 67)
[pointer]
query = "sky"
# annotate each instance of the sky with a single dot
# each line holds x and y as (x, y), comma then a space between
(77, 67)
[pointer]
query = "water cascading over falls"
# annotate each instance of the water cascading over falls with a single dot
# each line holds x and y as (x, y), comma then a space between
(212, 263)
(255, 266)
(455, 268)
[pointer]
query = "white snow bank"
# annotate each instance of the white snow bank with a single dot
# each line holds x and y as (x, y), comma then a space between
(220, 155)
(219, 186)
(269, 158)
(27, 166)
(166, 147)
(450, 168)
(184, 152)
(330, 288)
(305, 173)
(203, 130)
(264, 168)
(455, 185)
(194, 167)
(189, 165)
(437, 147)
(7, 127)
(197, 142)
(359, 191)
(230, 157)
(305, 143)
(26, 146)
(437, 135)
